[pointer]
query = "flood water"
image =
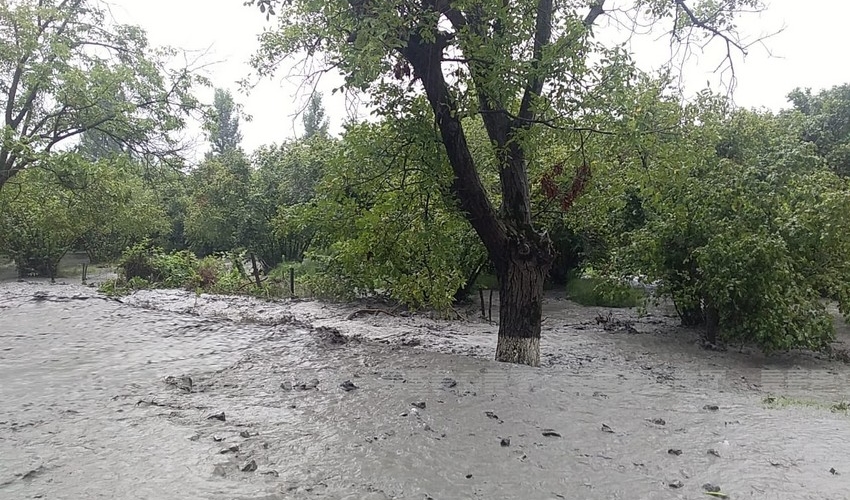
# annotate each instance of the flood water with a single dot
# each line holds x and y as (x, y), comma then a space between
(87, 410)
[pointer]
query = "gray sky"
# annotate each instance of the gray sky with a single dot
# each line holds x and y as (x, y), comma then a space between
(810, 52)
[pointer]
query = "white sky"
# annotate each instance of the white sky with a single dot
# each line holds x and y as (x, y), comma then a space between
(810, 52)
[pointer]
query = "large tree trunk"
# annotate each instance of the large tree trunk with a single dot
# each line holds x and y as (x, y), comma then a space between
(521, 310)
(521, 256)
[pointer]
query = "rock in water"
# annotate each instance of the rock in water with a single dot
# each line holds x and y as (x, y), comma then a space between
(348, 386)
(183, 383)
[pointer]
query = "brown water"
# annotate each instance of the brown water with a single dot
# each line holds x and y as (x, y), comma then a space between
(85, 411)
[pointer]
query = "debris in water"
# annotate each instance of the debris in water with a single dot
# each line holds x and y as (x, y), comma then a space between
(714, 452)
(245, 434)
(286, 386)
(672, 451)
(348, 386)
(711, 488)
(711, 407)
(217, 438)
(833, 471)
(505, 442)
(550, 433)
(675, 484)
(419, 404)
(232, 449)
(32, 473)
(331, 335)
(491, 415)
(657, 421)
(607, 428)
(218, 416)
(251, 466)
(183, 383)
(469, 476)
(448, 383)
(308, 386)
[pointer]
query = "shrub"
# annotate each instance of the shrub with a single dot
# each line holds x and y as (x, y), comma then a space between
(602, 292)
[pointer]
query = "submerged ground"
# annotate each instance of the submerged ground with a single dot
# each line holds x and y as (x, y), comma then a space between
(170, 395)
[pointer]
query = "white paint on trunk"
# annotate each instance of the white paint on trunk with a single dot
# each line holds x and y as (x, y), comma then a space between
(519, 350)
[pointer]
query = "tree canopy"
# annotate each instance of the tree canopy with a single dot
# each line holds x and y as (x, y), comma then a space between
(222, 126)
(66, 70)
(520, 68)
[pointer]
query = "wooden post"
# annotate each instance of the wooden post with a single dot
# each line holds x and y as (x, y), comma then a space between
(481, 297)
(292, 281)
(490, 312)
(255, 270)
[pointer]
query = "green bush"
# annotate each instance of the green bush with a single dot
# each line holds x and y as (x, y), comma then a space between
(601, 292)
(154, 266)
(137, 262)
(210, 270)
(144, 266)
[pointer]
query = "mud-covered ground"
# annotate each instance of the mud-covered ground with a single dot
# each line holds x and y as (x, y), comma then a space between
(124, 399)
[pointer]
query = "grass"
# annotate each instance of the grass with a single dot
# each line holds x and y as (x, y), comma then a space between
(776, 402)
(597, 292)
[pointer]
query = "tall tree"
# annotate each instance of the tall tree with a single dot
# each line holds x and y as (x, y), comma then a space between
(315, 122)
(60, 60)
(222, 125)
(827, 123)
(516, 65)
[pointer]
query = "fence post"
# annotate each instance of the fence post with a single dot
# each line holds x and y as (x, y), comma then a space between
(292, 281)
(490, 313)
(481, 298)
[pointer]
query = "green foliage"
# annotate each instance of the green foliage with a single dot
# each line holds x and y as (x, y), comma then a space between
(601, 292)
(384, 222)
(70, 203)
(222, 124)
(67, 70)
(146, 266)
(155, 266)
(742, 219)
(219, 212)
(315, 122)
(285, 183)
(825, 122)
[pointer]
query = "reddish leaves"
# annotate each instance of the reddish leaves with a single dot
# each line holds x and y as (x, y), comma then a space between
(553, 192)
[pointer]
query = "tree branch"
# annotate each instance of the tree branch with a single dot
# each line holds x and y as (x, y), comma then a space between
(542, 37)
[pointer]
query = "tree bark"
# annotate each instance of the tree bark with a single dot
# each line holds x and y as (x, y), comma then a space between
(521, 256)
(521, 306)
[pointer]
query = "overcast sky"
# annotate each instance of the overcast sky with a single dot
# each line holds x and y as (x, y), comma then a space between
(810, 52)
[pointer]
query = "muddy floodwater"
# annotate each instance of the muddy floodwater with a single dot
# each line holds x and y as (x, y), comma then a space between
(167, 395)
